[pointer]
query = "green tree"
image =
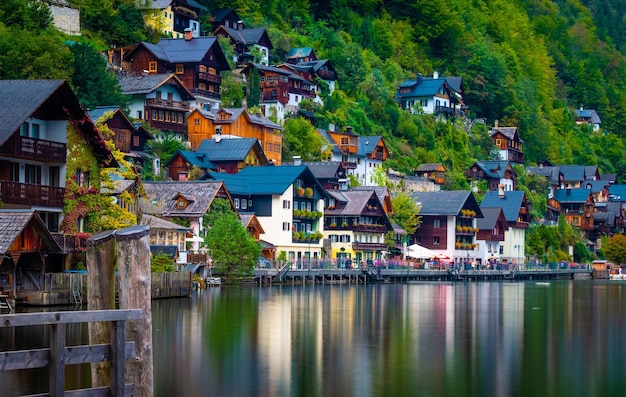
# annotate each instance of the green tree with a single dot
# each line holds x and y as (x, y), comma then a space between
(233, 250)
(615, 248)
(219, 207)
(26, 14)
(301, 139)
(406, 212)
(254, 88)
(162, 263)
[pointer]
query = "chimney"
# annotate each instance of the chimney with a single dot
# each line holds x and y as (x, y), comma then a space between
(297, 160)
(435, 75)
(331, 127)
(418, 78)
(188, 34)
(501, 191)
(349, 129)
(495, 124)
(239, 24)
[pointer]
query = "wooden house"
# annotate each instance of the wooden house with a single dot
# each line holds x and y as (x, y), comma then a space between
(220, 155)
(38, 117)
(509, 143)
(491, 229)
(448, 224)
(224, 17)
(246, 41)
(27, 253)
(436, 95)
(577, 206)
(196, 61)
(497, 174)
(355, 225)
(161, 100)
(516, 209)
(434, 172)
(588, 117)
(129, 138)
(173, 17)
(359, 155)
(236, 122)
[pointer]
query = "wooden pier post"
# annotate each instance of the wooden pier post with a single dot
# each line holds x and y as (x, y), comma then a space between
(135, 293)
(101, 258)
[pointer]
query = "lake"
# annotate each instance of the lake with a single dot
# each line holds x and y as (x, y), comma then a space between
(562, 338)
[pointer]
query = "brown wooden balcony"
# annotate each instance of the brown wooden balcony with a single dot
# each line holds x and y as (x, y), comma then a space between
(29, 194)
(165, 104)
(326, 74)
(167, 126)
(197, 258)
(35, 149)
(205, 93)
(209, 77)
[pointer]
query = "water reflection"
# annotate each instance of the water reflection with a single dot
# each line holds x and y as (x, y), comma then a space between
(429, 339)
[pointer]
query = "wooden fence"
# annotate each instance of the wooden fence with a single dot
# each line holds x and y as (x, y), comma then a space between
(58, 355)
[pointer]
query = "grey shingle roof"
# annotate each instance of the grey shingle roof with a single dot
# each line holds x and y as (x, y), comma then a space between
(13, 222)
(323, 169)
(246, 36)
(590, 114)
(508, 132)
(354, 202)
(572, 196)
(161, 197)
(137, 85)
(490, 217)
(493, 169)
(235, 149)
(446, 202)
(20, 99)
(185, 51)
(511, 203)
(158, 223)
(428, 167)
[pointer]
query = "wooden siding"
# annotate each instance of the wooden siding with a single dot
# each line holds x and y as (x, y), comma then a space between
(427, 232)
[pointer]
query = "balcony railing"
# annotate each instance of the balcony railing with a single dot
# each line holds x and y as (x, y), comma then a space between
(166, 126)
(449, 110)
(29, 194)
(210, 77)
(205, 93)
(369, 246)
(35, 149)
(164, 103)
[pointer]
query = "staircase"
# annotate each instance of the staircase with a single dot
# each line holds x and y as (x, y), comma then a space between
(281, 273)
(5, 304)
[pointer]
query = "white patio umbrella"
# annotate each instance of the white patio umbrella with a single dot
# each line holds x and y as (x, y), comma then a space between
(418, 252)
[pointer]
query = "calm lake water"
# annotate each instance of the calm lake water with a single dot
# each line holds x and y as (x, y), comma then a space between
(566, 338)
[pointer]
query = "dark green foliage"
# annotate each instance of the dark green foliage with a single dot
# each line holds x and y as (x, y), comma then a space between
(234, 252)
(219, 207)
(162, 263)
(25, 14)
(254, 94)
(92, 83)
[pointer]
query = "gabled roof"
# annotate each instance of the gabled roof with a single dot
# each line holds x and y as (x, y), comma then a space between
(323, 169)
(13, 222)
(572, 196)
(382, 192)
(266, 180)
(490, 218)
(119, 186)
(138, 85)
(354, 202)
(184, 51)
(200, 160)
(158, 223)
(445, 202)
(511, 202)
(97, 113)
(233, 149)
(589, 114)
(509, 132)
(163, 4)
(422, 87)
(48, 100)
(265, 68)
(249, 219)
(161, 197)
(550, 172)
(367, 144)
(218, 15)
(494, 168)
(618, 192)
(430, 167)
(572, 172)
(594, 186)
(246, 36)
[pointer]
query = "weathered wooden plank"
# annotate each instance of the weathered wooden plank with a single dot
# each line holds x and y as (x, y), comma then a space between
(129, 391)
(56, 375)
(38, 358)
(24, 319)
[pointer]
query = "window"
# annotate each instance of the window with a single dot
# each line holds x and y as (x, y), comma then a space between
(435, 240)
(249, 203)
(437, 223)
(136, 140)
(501, 250)
(181, 203)
(344, 238)
(286, 204)
(180, 69)
(333, 238)
(154, 115)
(202, 68)
(15, 172)
(54, 176)
(80, 224)
(212, 71)
(286, 226)
(236, 203)
(32, 174)
(139, 114)
(498, 142)
(244, 204)
(152, 67)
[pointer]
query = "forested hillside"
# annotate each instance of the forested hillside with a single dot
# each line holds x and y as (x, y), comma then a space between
(525, 63)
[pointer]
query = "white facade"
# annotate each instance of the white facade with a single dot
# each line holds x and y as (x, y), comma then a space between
(512, 248)
(273, 108)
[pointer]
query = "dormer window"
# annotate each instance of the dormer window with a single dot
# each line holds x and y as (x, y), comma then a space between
(181, 204)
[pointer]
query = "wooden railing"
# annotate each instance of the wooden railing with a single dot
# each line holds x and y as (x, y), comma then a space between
(36, 149)
(58, 355)
(166, 104)
(31, 194)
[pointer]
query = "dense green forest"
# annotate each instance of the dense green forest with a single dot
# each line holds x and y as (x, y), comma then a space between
(525, 63)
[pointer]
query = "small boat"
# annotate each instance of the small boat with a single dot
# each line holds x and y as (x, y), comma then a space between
(213, 281)
(617, 274)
